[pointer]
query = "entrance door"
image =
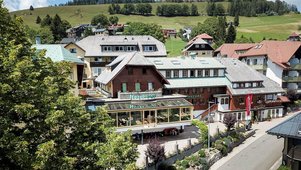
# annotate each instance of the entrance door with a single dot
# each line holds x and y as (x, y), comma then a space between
(149, 116)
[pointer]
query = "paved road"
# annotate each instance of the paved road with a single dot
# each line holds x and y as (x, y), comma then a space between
(260, 155)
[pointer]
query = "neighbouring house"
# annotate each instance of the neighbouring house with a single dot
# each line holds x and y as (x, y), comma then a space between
(232, 50)
(294, 37)
(99, 31)
(199, 47)
(278, 60)
(168, 32)
(196, 78)
(114, 28)
(58, 53)
(98, 51)
(290, 130)
(206, 80)
(267, 100)
(132, 90)
(187, 32)
(76, 31)
(203, 36)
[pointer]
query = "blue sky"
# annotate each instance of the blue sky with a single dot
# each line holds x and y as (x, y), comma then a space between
(14, 5)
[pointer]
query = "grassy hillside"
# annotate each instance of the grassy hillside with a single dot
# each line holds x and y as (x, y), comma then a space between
(277, 27)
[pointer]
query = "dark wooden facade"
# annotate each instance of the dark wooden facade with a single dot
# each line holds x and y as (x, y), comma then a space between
(138, 74)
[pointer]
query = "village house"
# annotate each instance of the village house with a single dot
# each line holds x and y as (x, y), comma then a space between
(290, 130)
(206, 81)
(98, 51)
(132, 90)
(200, 46)
(58, 53)
(278, 60)
(294, 37)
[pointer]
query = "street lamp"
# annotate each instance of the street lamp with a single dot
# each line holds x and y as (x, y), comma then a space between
(209, 116)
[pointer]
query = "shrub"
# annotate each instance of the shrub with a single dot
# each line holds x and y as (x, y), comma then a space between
(164, 166)
(299, 27)
(203, 130)
(282, 167)
(202, 153)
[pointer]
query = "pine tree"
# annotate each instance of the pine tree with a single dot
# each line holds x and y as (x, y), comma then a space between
(31, 8)
(231, 34)
(236, 20)
(38, 20)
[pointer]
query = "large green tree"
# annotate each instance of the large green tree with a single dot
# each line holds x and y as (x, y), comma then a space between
(139, 28)
(101, 20)
(231, 34)
(209, 26)
(42, 125)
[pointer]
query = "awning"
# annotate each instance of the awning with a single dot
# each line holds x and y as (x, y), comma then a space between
(144, 105)
(284, 99)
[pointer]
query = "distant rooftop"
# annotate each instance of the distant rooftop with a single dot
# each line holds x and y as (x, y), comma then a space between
(91, 44)
(289, 128)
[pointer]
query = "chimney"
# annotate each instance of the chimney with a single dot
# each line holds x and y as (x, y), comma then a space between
(38, 39)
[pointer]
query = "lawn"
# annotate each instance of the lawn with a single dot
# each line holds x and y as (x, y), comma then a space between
(174, 46)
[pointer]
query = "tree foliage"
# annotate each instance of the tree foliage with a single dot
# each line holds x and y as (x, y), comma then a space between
(231, 34)
(210, 26)
(100, 20)
(139, 28)
(38, 20)
(155, 151)
(43, 125)
(214, 9)
(251, 8)
(113, 19)
(236, 20)
(171, 10)
(229, 121)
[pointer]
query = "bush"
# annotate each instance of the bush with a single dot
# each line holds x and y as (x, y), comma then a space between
(299, 27)
(203, 130)
(219, 145)
(164, 166)
(202, 153)
(282, 167)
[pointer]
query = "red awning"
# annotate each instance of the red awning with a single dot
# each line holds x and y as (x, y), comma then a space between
(284, 99)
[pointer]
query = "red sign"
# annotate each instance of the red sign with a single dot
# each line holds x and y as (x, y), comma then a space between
(248, 103)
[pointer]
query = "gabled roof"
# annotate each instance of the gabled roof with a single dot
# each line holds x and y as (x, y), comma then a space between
(198, 41)
(74, 44)
(237, 71)
(279, 52)
(289, 128)
(231, 50)
(133, 59)
(203, 36)
(294, 35)
(58, 53)
(92, 44)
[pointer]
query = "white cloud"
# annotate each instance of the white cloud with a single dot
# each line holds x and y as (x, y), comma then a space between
(14, 5)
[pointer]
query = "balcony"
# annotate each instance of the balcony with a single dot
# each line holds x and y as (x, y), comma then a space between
(291, 79)
(259, 67)
(98, 64)
(296, 67)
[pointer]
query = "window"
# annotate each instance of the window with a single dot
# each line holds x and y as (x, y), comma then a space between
(222, 101)
(137, 87)
(227, 101)
(123, 88)
(73, 50)
(168, 75)
(202, 45)
(98, 59)
(150, 86)
(207, 73)
(201, 90)
(192, 73)
(215, 72)
(96, 71)
(197, 46)
(200, 73)
(255, 62)
(130, 71)
(107, 48)
(185, 73)
(269, 97)
(176, 73)
(148, 48)
(239, 116)
(242, 85)
(144, 71)
(121, 48)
